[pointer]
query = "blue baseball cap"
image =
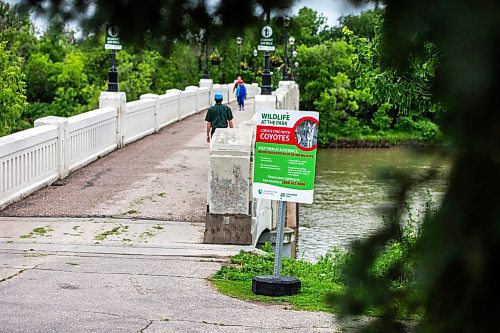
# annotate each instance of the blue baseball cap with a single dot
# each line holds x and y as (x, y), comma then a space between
(218, 95)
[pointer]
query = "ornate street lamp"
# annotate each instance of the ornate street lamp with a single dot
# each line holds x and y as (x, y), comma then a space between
(238, 41)
(267, 85)
(255, 54)
(286, 23)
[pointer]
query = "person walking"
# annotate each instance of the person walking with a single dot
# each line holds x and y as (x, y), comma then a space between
(241, 95)
(236, 83)
(218, 116)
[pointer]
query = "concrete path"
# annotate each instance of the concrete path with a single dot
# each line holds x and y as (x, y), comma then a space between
(123, 275)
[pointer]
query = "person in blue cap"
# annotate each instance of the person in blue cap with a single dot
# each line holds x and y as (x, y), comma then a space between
(218, 116)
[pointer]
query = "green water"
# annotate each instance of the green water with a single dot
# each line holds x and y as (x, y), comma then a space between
(349, 195)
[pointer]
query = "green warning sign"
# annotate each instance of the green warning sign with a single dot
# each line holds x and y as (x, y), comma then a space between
(285, 155)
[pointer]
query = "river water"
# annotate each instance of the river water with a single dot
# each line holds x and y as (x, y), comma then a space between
(349, 193)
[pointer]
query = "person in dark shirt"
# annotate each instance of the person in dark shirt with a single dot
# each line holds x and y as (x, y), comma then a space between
(218, 116)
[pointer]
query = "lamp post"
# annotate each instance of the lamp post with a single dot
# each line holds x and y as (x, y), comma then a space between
(255, 54)
(113, 73)
(266, 74)
(238, 41)
(206, 74)
(286, 23)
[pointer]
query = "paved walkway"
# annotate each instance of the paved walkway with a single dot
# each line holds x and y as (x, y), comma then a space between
(163, 176)
(117, 247)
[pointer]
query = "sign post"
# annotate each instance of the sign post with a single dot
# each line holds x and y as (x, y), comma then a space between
(284, 169)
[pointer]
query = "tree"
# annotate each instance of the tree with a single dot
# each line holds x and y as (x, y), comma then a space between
(362, 25)
(12, 90)
(459, 251)
(16, 30)
(307, 26)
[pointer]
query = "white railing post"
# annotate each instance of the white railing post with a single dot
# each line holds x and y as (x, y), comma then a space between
(177, 93)
(117, 100)
(206, 83)
(197, 99)
(265, 102)
(62, 134)
(157, 108)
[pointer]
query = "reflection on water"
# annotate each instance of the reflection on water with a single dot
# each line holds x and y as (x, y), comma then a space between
(348, 195)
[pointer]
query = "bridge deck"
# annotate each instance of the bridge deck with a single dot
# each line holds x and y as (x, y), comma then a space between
(161, 177)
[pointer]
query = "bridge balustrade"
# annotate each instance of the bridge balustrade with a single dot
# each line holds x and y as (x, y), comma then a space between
(56, 146)
(139, 120)
(28, 161)
(88, 136)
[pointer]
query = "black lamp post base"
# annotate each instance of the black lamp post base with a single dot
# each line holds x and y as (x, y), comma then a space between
(112, 86)
(269, 285)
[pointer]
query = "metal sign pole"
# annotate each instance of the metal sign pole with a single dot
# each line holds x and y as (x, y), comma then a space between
(280, 230)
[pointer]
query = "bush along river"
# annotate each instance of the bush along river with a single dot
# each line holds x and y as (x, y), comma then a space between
(349, 193)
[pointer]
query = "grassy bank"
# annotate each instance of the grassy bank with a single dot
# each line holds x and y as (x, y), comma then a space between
(318, 280)
(322, 282)
(384, 140)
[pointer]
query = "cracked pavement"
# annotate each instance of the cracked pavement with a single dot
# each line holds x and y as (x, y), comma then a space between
(43, 291)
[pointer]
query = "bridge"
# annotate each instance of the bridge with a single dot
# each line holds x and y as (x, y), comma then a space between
(147, 160)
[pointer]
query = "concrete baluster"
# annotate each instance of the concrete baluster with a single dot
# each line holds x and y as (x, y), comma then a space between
(176, 92)
(62, 135)
(215, 88)
(157, 108)
(117, 100)
(265, 102)
(196, 96)
(207, 83)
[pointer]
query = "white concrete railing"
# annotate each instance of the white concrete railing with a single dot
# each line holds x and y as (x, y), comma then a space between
(89, 135)
(37, 157)
(18, 152)
(231, 163)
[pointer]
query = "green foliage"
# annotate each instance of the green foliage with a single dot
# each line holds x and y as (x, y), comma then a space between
(307, 27)
(16, 31)
(362, 25)
(12, 90)
(357, 96)
(64, 78)
(381, 119)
